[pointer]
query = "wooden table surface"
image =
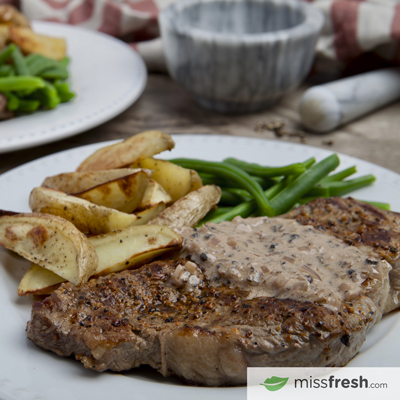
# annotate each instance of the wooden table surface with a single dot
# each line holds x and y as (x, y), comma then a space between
(165, 106)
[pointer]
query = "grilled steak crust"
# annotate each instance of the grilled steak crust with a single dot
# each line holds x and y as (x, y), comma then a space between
(359, 224)
(202, 333)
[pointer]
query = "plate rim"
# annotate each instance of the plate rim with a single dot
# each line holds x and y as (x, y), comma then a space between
(218, 137)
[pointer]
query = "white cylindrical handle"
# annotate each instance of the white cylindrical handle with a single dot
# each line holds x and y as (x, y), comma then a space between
(325, 107)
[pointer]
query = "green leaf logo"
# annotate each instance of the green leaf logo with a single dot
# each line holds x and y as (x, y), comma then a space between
(274, 383)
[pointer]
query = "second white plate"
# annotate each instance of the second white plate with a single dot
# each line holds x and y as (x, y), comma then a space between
(107, 76)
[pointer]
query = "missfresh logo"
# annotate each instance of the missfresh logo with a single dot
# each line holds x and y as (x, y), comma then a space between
(279, 383)
(274, 383)
(334, 383)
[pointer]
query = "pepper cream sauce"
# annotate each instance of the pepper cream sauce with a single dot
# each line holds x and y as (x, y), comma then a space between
(283, 259)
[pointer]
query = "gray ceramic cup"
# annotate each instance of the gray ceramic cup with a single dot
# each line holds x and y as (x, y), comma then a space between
(239, 55)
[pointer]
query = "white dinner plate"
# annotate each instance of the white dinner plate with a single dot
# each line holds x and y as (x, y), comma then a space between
(106, 75)
(27, 372)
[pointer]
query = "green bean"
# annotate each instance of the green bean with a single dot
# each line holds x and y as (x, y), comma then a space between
(244, 210)
(53, 99)
(339, 176)
(6, 70)
(48, 96)
(58, 72)
(6, 53)
(213, 214)
(258, 170)
(383, 206)
(20, 65)
(12, 83)
(248, 208)
(344, 187)
(318, 191)
(40, 64)
(209, 179)
(12, 101)
(234, 196)
(289, 196)
(31, 58)
(24, 81)
(277, 188)
(64, 62)
(63, 91)
(24, 93)
(309, 162)
(229, 198)
(243, 194)
(234, 174)
(266, 183)
(28, 105)
(305, 200)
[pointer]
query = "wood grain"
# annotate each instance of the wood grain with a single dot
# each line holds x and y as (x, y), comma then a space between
(165, 106)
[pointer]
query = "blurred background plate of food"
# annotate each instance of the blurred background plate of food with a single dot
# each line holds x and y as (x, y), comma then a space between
(104, 74)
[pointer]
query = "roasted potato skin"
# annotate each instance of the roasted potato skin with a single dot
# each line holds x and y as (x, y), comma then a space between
(7, 213)
(122, 154)
(133, 247)
(31, 42)
(117, 251)
(50, 241)
(123, 194)
(39, 281)
(86, 216)
(170, 197)
(9, 15)
(154, 195)
(76, 182)
(149, 213)
(196, 182)
(177, 181)
(190, 209)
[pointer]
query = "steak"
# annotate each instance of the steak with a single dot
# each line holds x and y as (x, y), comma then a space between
(359, 224)
(248, 293)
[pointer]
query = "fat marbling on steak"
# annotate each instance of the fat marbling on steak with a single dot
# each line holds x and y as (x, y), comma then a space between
(359, 224)
(248, 293)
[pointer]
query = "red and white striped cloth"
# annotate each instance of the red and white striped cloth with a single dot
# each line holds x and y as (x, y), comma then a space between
(352, 27)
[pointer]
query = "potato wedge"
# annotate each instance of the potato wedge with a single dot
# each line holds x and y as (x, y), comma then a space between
(122, 194)
(31, 42)
(145, 144)
(51, 242)
(117, 251)
(153, 195)
(146, 215)
(86, 216)
(7, 213)
(197, 182)
(133, 247)
(39, 280)
(9, 15)
(177, 181)
(75, 182)
(190, 209)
